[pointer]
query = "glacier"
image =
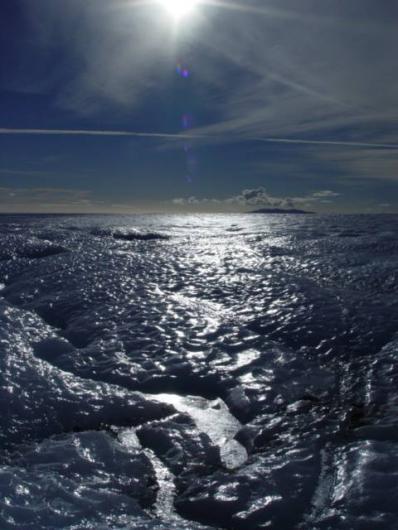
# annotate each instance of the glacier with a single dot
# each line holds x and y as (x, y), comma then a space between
(196, 372)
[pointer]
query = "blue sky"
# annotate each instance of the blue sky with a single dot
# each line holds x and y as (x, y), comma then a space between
(113, 106)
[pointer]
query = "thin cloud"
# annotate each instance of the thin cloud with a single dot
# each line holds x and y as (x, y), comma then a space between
(45, 199)
(359, 163)
(22, 172)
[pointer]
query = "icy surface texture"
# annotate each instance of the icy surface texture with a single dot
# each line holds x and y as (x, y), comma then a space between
(199, 372)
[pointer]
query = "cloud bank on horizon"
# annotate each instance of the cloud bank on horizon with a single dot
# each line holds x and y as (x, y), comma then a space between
(259, 198)
(51, 200)
(281, 96)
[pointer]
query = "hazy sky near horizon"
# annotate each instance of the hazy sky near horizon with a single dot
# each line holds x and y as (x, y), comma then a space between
(114, 105)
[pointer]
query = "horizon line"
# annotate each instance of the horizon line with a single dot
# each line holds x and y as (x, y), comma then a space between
(154, 212)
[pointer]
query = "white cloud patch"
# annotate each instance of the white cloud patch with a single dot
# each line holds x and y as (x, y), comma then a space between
(325, 194)
(260, 197)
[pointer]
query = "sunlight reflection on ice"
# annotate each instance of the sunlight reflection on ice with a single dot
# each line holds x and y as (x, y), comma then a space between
(214, 419)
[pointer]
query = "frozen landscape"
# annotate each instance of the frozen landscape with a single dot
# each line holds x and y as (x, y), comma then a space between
(190, 372)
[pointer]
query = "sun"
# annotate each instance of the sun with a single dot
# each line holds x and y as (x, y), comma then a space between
(179, 9)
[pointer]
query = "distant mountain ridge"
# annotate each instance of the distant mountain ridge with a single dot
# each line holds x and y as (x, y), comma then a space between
(281, 210)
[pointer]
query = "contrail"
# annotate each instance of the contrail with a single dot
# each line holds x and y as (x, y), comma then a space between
(88, 132)
(326, 142)
(190, 136)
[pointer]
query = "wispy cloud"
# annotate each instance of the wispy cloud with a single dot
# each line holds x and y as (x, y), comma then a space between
(39, 193)
(303, 78)
(376, 163)
(21, 172)
(290, 68)
(317, 75)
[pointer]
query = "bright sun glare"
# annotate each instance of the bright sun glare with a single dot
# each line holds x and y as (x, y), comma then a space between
(179, 8)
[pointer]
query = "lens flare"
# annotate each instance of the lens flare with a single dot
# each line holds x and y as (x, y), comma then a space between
(183, 71)
(179, 9)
